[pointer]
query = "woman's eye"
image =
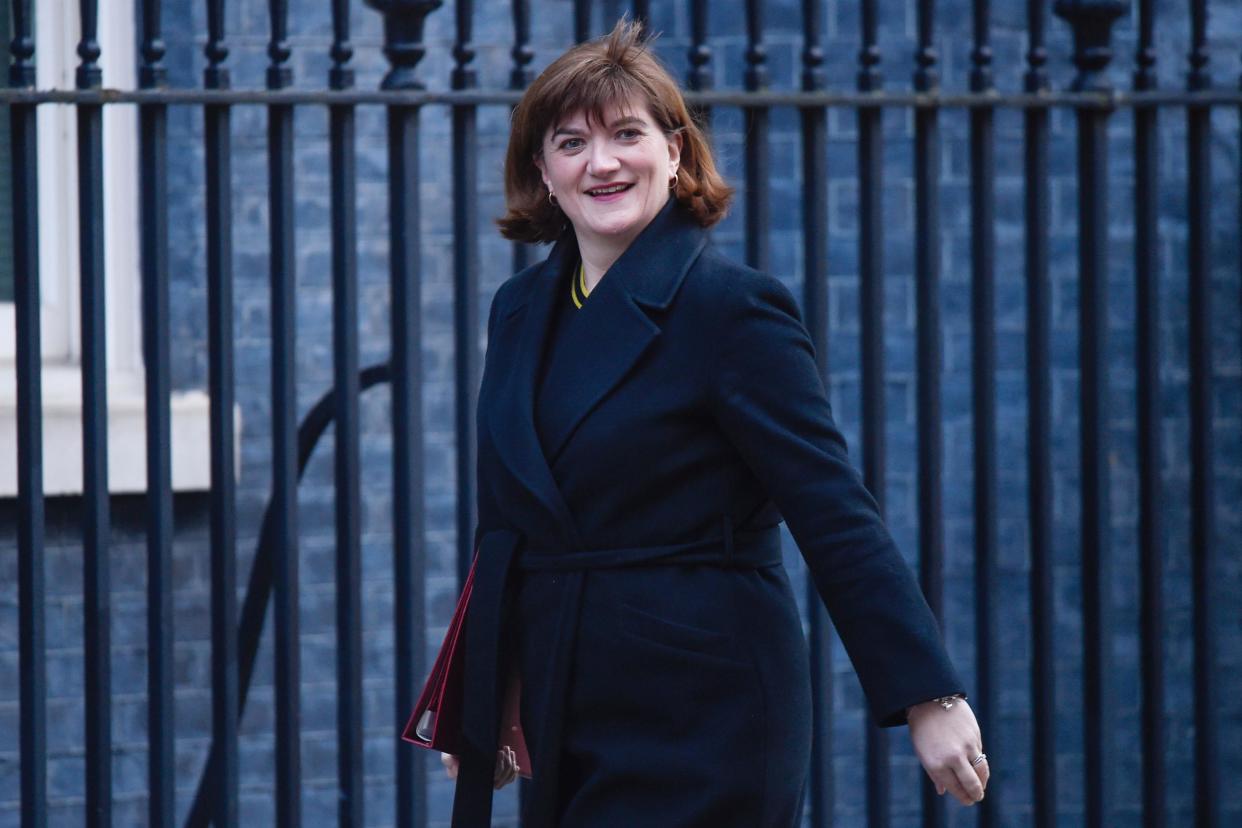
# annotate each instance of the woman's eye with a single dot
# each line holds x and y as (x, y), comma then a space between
(629, 134)
(570, 144)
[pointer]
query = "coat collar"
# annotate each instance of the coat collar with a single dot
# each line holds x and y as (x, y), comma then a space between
(653, 266)
(645, 277)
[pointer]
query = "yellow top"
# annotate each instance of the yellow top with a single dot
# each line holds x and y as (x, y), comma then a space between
(579, 284)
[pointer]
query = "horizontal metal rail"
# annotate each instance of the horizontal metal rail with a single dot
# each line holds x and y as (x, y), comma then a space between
(1114, 99)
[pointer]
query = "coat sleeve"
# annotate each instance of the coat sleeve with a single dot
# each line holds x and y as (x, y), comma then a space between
(768, 397)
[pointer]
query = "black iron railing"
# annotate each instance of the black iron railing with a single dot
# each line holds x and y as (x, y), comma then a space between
(1095, 104)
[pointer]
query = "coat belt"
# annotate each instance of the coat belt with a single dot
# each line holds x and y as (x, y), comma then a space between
(499, 553)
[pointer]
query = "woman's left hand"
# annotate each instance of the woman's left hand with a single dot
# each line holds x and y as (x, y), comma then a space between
(947, 742)
(507, 768)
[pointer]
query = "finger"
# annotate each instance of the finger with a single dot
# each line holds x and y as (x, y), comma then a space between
(947, 781)
(935, 784)
(983, 772)
(506, 770)
(498, 772)
(969, 780)
(514, 769)
(506, 761)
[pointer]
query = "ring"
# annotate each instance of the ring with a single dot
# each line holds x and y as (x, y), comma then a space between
(982, 757)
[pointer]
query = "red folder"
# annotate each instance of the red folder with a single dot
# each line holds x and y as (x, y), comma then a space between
(435, 722)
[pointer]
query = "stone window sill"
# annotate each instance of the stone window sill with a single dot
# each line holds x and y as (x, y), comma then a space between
(127, 449)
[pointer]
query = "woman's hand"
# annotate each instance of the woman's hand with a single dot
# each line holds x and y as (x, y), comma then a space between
(506, 766)
(947, 742)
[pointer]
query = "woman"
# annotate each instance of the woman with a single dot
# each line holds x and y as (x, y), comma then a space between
(649, 413)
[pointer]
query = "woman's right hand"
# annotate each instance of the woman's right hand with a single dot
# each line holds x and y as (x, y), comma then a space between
(506, 766)
(950, 748)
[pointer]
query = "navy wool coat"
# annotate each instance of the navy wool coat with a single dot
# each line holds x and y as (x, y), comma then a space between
(629, 563)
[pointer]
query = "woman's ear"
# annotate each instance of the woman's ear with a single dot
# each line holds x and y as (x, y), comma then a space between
(543, 173)
(674, 152)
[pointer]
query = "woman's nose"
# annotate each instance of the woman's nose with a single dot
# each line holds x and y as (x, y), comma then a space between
(602, 160)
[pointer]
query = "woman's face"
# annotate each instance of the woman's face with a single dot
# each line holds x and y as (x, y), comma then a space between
(609, 178)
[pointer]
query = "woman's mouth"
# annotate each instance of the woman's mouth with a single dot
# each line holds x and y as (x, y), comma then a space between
(608, 192)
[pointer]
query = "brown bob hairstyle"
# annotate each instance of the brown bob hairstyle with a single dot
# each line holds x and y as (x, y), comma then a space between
(615, 70)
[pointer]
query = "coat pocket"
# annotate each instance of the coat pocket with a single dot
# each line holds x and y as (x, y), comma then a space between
(675, 635)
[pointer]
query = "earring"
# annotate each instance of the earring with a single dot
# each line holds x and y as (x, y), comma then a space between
(552, 199)
(675, 181)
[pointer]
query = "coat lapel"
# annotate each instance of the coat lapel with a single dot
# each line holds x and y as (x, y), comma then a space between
(616, 327)
(600, 353)
(512, 417)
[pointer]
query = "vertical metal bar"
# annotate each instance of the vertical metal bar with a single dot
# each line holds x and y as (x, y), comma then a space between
(1202, 495)
(699, 78)
(1150, 441)
(520, 78)
(284, 428)
(409, 554)
(815, 309)
(871, 313)
(465, 284)
(756, 118)
(983, 381)
(1096, 547)
(95, 505)
(32, 678)
(223, 761)
(1092, 22)
(582, 20)
(521, 75)
(700, 75)
(642, 12)
(927, 289)
(1039, 426)
(403, 36)
(352, 795)
(153, 160)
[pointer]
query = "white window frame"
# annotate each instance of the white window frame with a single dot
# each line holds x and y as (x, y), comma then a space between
(57, 33)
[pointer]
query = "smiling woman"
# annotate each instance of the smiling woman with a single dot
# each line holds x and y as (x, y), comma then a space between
(582, 97)
(649, 412)
(610, 175)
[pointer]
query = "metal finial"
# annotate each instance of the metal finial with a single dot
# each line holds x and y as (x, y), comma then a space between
(403, 39)
(1092, 22)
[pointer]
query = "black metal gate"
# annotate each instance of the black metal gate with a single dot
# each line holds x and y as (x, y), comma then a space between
(1095, 105)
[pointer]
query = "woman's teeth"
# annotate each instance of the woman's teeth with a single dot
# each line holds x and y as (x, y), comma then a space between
(603, 191)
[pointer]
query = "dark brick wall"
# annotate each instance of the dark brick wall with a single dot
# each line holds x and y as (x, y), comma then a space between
(1009, 742)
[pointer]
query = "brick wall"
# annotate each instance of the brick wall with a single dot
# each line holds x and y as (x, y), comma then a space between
(1009, 742)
